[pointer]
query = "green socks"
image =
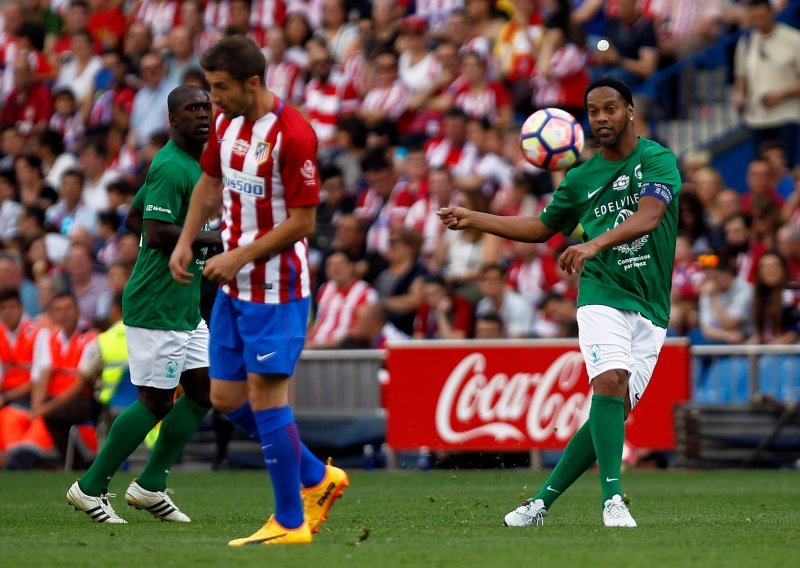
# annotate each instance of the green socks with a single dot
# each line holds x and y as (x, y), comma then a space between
(177, 429)
(578, 456)
(607, 424)
(125, 435)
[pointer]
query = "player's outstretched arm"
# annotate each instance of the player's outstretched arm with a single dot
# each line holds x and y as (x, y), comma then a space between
(523, 229)
(206, 200)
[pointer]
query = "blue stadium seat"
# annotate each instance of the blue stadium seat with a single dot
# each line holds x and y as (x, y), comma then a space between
(779, 376)
(725, 381)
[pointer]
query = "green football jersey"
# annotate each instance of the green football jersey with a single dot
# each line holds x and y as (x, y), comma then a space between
(152, 299)
(601, 194)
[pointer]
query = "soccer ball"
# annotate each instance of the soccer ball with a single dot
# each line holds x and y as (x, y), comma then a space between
(551, 139)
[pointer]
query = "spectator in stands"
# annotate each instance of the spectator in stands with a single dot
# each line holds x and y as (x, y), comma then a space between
(740, 244)
(532, 272)
(632, 55)
(489, 326)
(29, 43)
(335, 30)
(767, 79)
(442, 314)
(17, 336)
(127, 248)
(338, 301)
(117, 276)
(388, 99)
(691, 220)
(29, 105)
(191, 16)
(33, 190)
(181, 55)
(766, 220)
(86, 285)
(418, 66)
(334, 204)
(298, 32)
(516, 311)
(106, 23)
(149, 111)
(49, 148)
(725, 309)
(10, 210)
(685, 27)
(351, 140)
(687, 276)
(93, 160)
(400, 285)
(62, 385)
(372, 329)
(31, 225)
(776, 309)
(239, 12)
(476, 93)
(12, 146)
(71, 210)
(385, 28)
(67, 119)
(452, 149)
(12, 276)
(113, 97)
(384, 203)
(78, 73)
(515, 52)
(774, 154)
(562, 314)
(562, 72)
(327, 97)
(760, 185)
(787, 244)
(284, 77)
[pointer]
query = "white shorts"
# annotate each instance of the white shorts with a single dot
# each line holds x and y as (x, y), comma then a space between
(620, 339)
(157, 357)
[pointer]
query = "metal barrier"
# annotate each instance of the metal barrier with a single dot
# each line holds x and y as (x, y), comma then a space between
(338, 383)
(736, 373)
(692, 98)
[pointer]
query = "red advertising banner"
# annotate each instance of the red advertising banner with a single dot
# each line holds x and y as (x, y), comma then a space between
(492, 396)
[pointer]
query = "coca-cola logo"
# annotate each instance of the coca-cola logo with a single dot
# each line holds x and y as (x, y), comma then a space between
(524, 405)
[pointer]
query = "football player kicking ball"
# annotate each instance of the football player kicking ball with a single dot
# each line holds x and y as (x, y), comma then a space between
(166, 337)
(626, 200)
(261, 159)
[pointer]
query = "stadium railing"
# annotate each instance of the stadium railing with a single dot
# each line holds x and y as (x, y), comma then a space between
(691, 99)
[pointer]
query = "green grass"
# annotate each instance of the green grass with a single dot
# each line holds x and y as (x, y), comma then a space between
(730, 518)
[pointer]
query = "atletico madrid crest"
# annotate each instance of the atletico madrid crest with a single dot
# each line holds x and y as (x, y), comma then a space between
(262, 152)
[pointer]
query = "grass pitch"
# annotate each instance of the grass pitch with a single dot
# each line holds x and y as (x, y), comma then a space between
(729, 518)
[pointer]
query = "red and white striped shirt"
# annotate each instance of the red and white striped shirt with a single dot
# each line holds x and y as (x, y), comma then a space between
(566, 81)
(159, 15)
(483, 104)
(386, 215)
(326, 102)
(337, 310)
(392, 100)
(267, 167)
(422, 217)
(462, 160)
(285, 80)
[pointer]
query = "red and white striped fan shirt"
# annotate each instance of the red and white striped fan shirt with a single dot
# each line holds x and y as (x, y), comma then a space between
(327, 102)
(285, 79)
(462, 160)
(267, 167)
(338, 308)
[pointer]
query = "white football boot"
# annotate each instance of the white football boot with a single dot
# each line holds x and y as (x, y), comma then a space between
(98, 508)
(616, 513)
(530, 513)
(157, 503)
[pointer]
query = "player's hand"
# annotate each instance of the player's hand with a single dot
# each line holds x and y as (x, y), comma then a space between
(573, 259)
(454, 218)
(179, 263)
(223, 268)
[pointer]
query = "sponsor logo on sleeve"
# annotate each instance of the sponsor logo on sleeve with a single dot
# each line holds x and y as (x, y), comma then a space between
(308, 171)
(158, 209)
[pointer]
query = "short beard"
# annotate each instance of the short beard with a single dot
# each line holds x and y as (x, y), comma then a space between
(614, 141)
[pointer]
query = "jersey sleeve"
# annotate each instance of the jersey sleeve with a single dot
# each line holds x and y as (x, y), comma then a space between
(660, 169)
(138, 199)
(298, 165)
(165, 188)
(561, 214)
(210, 160)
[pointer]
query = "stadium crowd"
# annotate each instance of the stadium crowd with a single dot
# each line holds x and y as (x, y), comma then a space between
(416, 105)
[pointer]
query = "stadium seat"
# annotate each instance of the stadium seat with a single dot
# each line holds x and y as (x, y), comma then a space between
(779, 376)
(725, 381)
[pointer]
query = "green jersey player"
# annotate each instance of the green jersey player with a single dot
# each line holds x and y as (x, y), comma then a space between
(167, 340)
(626, 200)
